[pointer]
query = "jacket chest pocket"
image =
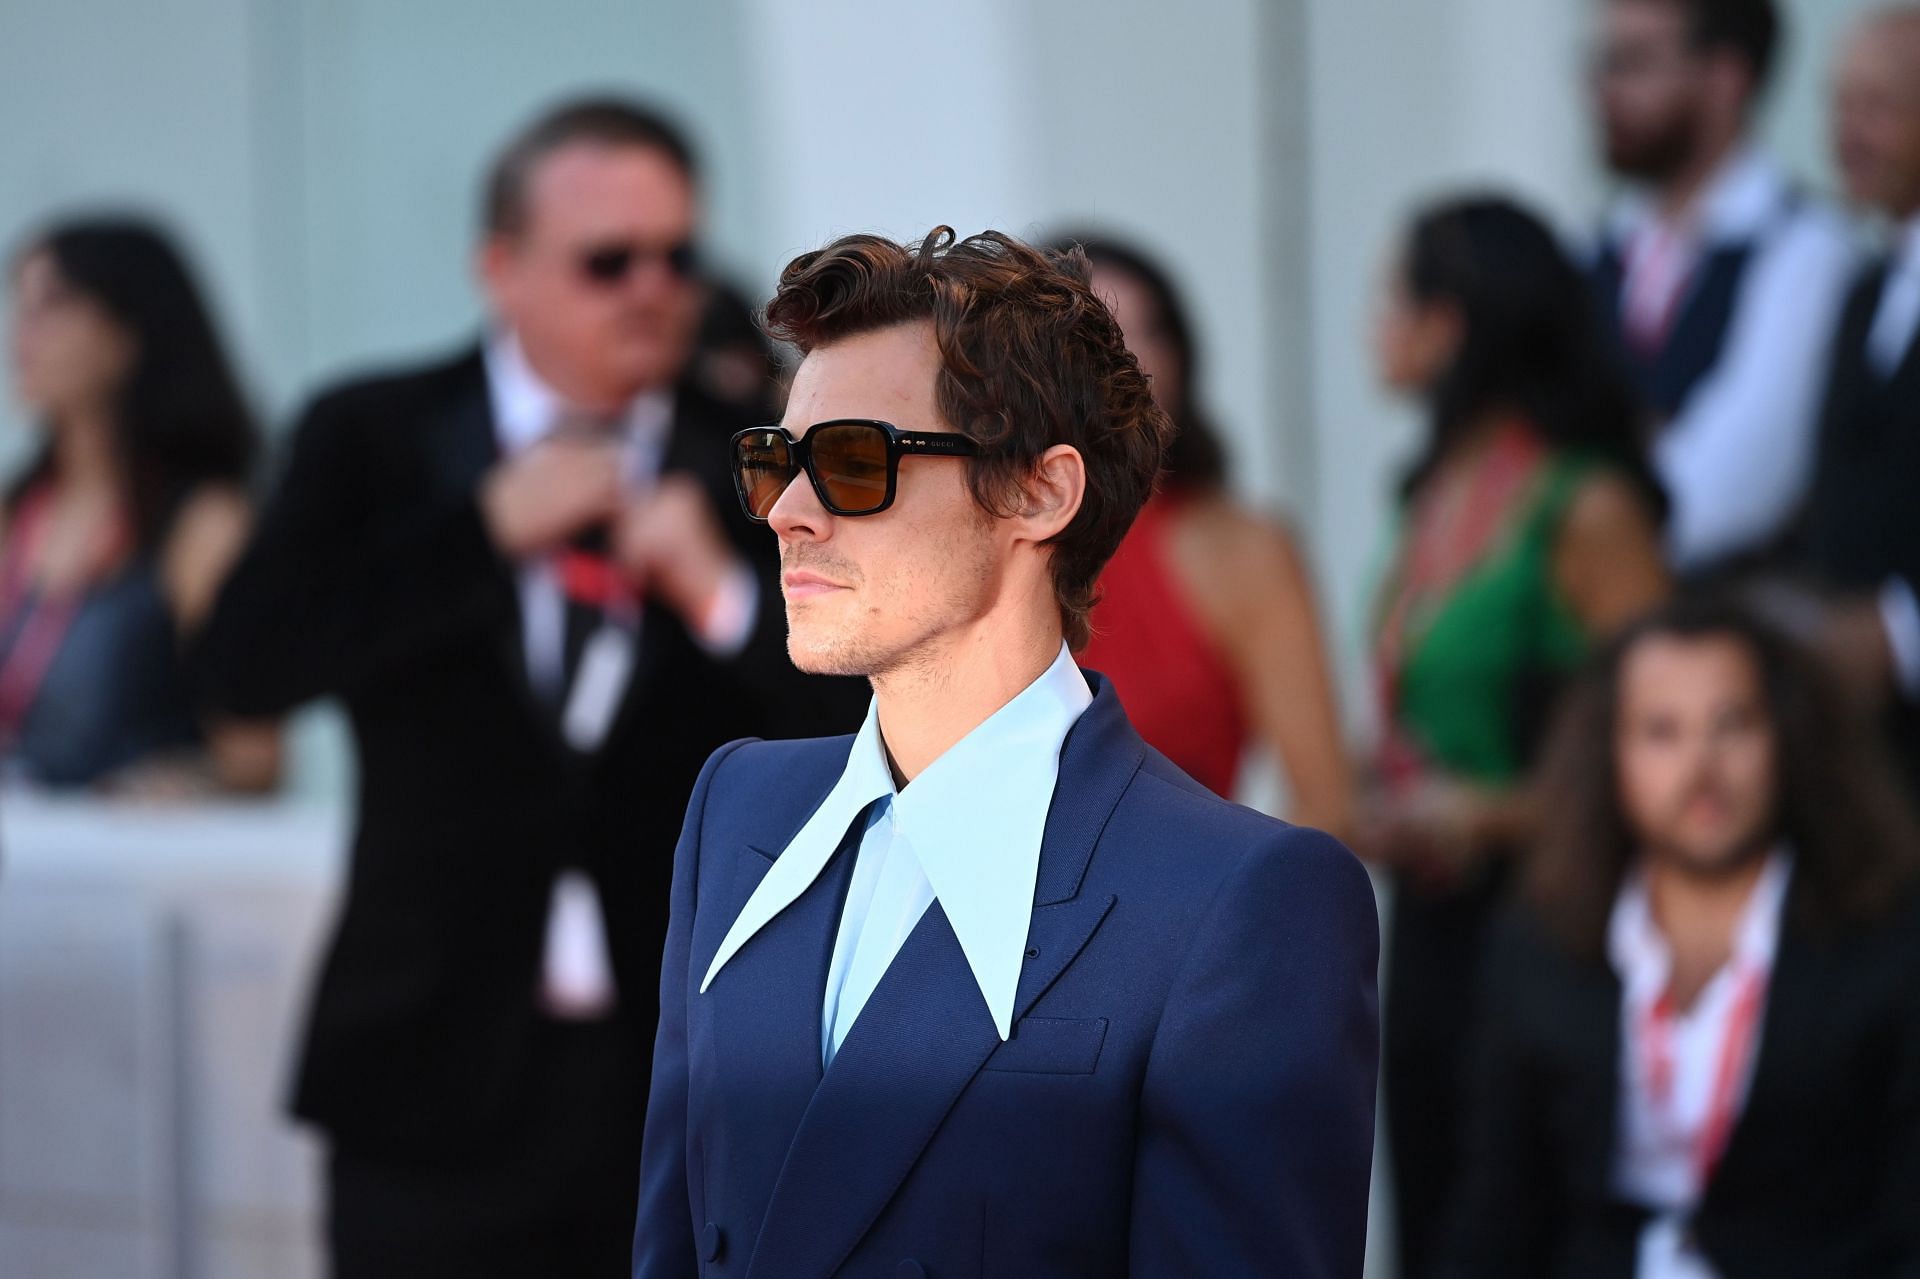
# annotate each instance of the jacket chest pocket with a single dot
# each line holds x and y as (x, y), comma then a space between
(1051, 1046)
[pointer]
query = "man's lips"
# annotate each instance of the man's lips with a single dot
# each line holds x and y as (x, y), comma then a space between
(801, 584)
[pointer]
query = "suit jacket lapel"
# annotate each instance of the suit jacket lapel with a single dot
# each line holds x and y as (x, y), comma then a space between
(1905, 375)
(1792, 1038)
(1858, 384)
(767, 1000)
(764, 1007)
(926, 1031)
(1856, 334)
(1589, 1097)
(462, 445)
(916, 1046)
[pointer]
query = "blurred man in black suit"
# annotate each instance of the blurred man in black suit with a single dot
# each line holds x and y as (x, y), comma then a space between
(1863, 519)
(1700, 1040)
(526, 576)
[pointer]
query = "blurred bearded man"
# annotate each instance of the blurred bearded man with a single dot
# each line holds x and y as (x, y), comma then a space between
(1719, 279)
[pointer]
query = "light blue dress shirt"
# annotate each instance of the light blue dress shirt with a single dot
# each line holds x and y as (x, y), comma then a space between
(966, 832)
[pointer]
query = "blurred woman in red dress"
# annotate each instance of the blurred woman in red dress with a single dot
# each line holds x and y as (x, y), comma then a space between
(1206, 623)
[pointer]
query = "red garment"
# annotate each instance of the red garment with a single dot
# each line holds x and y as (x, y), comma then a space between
(1172, 679)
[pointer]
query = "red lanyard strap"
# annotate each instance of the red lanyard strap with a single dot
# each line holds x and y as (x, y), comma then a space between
(1737, 1048)
(38, 623)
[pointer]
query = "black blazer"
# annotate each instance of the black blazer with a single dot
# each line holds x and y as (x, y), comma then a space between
(1862, 523)
(1821, 1176)
(372, 579)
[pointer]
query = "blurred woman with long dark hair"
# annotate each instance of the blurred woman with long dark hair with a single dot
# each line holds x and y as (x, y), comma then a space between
(115, 537)
(1528, 529)
(1206, 622)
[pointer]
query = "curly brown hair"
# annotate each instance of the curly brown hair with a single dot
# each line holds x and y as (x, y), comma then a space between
(1030, 358)
(1839, 803)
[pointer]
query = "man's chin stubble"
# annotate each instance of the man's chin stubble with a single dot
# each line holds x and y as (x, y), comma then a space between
(830, 659)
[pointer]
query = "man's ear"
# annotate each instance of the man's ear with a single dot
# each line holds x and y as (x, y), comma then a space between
(492, 269)
(1052, 494)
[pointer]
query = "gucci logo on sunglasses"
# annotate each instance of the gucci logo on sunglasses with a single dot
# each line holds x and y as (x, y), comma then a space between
(853, 463)
(609, 264)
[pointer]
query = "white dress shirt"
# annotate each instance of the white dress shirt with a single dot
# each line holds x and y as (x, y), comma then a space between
(1737, 455)
(1661, 1129)
(577, 974)
(966, 832)
(525, 411)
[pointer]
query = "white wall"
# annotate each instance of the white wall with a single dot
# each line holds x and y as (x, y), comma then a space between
(93, 117)
(399, 107)
(1131, 116)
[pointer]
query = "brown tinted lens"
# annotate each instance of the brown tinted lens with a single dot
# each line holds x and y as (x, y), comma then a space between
(851, 461)
(762, 467)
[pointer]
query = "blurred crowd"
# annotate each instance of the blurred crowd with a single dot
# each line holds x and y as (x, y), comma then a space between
(1645, 650)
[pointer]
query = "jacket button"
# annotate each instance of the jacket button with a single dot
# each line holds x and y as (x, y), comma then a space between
(909, 1269)
(711, 1242)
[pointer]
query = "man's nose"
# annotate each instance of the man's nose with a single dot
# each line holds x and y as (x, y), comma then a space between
(797, 514)
(652, 277)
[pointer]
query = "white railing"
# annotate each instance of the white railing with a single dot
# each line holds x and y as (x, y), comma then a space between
(153, 967)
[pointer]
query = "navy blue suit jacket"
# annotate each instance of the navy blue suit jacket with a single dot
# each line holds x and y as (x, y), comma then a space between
(1189, 1088)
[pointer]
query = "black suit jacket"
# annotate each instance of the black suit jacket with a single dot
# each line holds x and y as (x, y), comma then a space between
(1821, 1175)
(1862, 523)
(372, 578)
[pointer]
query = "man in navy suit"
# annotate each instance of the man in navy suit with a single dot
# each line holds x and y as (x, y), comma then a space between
(990, 988)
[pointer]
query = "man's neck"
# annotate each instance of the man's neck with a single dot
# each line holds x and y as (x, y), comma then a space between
(578, 397)
(935, 698)
(1699, 914)
(1679, 198)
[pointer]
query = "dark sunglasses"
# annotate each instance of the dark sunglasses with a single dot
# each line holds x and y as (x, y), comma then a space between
(609, 264)
(854, 463)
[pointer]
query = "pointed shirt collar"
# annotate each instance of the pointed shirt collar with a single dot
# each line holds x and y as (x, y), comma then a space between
(974, 819)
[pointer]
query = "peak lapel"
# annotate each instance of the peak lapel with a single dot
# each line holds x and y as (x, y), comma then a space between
(916, 1046)
(926, 1031)
(462, 445)
(766, 1002)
